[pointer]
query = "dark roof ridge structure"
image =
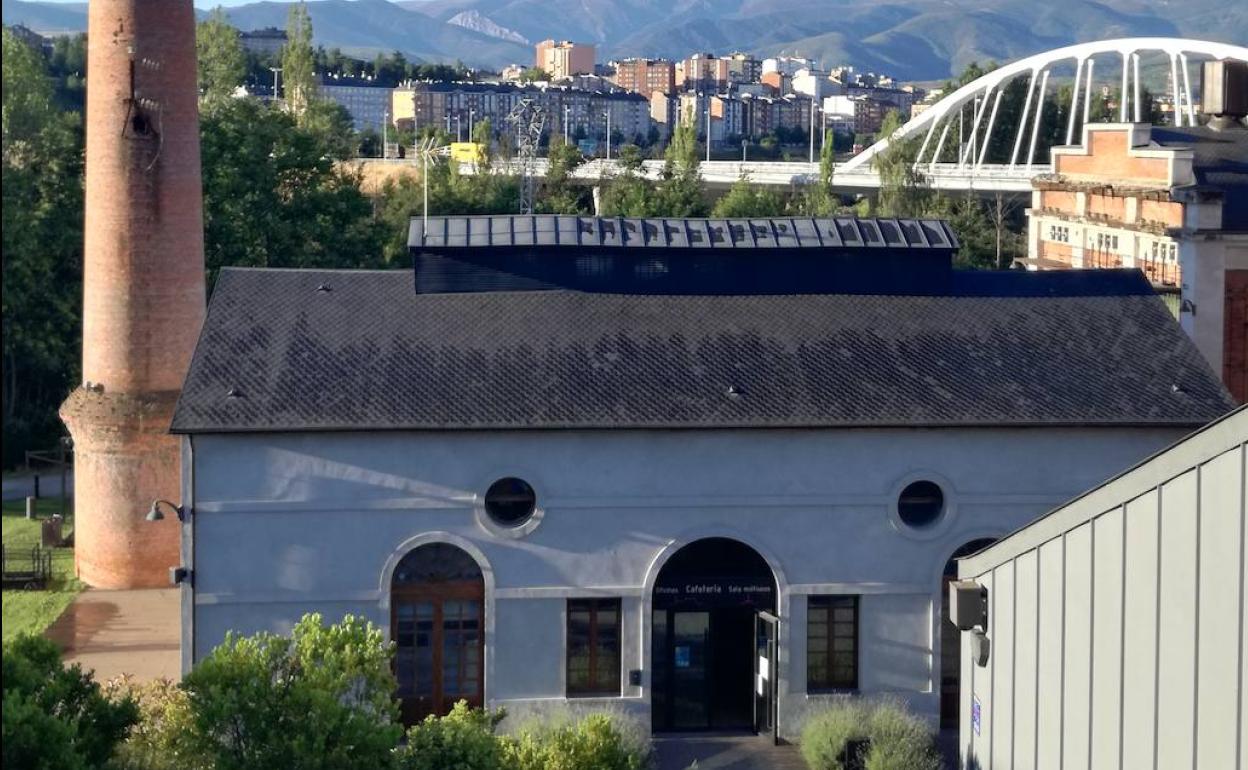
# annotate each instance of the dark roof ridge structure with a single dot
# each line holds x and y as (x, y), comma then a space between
(326, 350)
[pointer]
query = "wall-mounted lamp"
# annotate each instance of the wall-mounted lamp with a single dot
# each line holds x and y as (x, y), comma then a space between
(155, 513)
(1187, 306)
(179, 575)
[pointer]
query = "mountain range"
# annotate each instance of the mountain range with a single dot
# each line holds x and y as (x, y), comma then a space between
(910, 39)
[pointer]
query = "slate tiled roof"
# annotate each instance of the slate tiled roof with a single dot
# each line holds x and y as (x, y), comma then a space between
(303, 350)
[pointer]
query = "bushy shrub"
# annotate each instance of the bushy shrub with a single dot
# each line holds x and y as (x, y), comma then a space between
(164, 738)
(828, 733)
(589, 740)
(875, 735)
(57, 717)
(322, 698)
(462, 740)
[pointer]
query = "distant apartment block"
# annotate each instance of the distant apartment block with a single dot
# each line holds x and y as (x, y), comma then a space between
(1170, 201)
(707, 72)
(263, 42)
(368, 104)
(564, 58)
(455, 106)
(645, 76)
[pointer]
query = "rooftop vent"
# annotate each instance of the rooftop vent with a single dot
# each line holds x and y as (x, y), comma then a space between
(1224, 89)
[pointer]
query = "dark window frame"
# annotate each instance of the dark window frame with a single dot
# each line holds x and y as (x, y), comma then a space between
(827, 603)
(594, 605)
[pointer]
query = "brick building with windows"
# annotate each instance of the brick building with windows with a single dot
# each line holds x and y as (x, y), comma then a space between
(1172, 202)
(645, 76)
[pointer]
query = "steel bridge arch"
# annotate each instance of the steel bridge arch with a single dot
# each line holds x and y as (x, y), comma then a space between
(1038, 66)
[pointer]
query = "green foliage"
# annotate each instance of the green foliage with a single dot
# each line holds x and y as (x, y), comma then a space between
(57, 717)
(164, 738)
(449, 193)
(534, 74)
(889, 737)
(322, 698)
(594, 741)
(298, 60)
(903, 191)
(274, 196)
(222, 63)
(462, 740)
(559, 195)
(42, 248)
(747, 200)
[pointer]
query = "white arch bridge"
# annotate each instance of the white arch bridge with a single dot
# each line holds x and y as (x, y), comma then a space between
(969, 115)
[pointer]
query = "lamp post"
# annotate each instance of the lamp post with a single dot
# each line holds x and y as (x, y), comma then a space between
(459, 127)
(471, 113)
(608, 114)
(812, 129)
(744, 143)
(276, 71)
(566, 111)
(708, 130)
(385, 132)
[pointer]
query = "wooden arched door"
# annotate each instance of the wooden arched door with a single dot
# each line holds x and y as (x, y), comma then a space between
(437, 622)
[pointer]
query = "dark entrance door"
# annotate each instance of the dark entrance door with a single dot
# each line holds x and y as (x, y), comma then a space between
(437, 622)
(703, 644)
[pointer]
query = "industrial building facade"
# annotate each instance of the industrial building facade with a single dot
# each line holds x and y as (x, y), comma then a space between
(709, 471)
(1116, 622)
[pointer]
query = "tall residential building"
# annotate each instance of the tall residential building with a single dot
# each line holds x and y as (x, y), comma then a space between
(701, 71)
(564, 58)
(367, 103)
(1172, 202)
(645, 76)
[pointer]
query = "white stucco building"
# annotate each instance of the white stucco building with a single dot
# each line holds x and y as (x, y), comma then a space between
(712, 472)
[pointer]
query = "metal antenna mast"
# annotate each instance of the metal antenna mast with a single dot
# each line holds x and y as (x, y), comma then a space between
(530, 120)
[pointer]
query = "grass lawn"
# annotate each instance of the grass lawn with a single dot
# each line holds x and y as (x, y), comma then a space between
(34, 611)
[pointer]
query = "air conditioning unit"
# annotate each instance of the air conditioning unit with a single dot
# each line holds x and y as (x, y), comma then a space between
(1224, 88)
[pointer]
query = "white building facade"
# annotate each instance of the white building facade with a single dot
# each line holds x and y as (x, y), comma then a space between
(711, 504)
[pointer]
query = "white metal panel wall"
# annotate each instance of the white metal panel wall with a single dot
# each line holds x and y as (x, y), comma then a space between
(1118, 631)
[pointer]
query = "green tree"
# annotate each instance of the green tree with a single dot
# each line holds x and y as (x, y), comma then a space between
(42, 251)
(56, 717)
(298, 60)
(534, 74)
(222, 63)
(747, 200)
(903, 188)
(819, 198)
(680, 190)
(559, 195)
(274, 196)
(321, 698)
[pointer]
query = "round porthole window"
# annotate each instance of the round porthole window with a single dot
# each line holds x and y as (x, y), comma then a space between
(921, 504)
(510, 502)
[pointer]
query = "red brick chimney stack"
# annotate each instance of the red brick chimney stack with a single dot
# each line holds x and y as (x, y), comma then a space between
(143, 281)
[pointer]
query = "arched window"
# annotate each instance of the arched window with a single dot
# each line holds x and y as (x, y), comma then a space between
(437, 622)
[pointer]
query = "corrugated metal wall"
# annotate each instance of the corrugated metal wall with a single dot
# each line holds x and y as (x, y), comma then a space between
(1117, 623)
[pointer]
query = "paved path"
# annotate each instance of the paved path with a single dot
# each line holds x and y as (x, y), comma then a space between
(122, 632)
(725, 752)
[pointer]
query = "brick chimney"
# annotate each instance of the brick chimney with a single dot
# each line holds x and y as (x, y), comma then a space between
(143, 280)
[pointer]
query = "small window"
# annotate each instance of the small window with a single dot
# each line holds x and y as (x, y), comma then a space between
(921, 504)
(593, 647)
(510, 502)
(831, 643)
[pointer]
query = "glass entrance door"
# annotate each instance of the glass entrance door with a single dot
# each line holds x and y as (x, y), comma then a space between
(766, 630)
(682, 693)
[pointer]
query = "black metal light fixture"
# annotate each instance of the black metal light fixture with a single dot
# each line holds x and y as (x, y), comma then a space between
(155, 514)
